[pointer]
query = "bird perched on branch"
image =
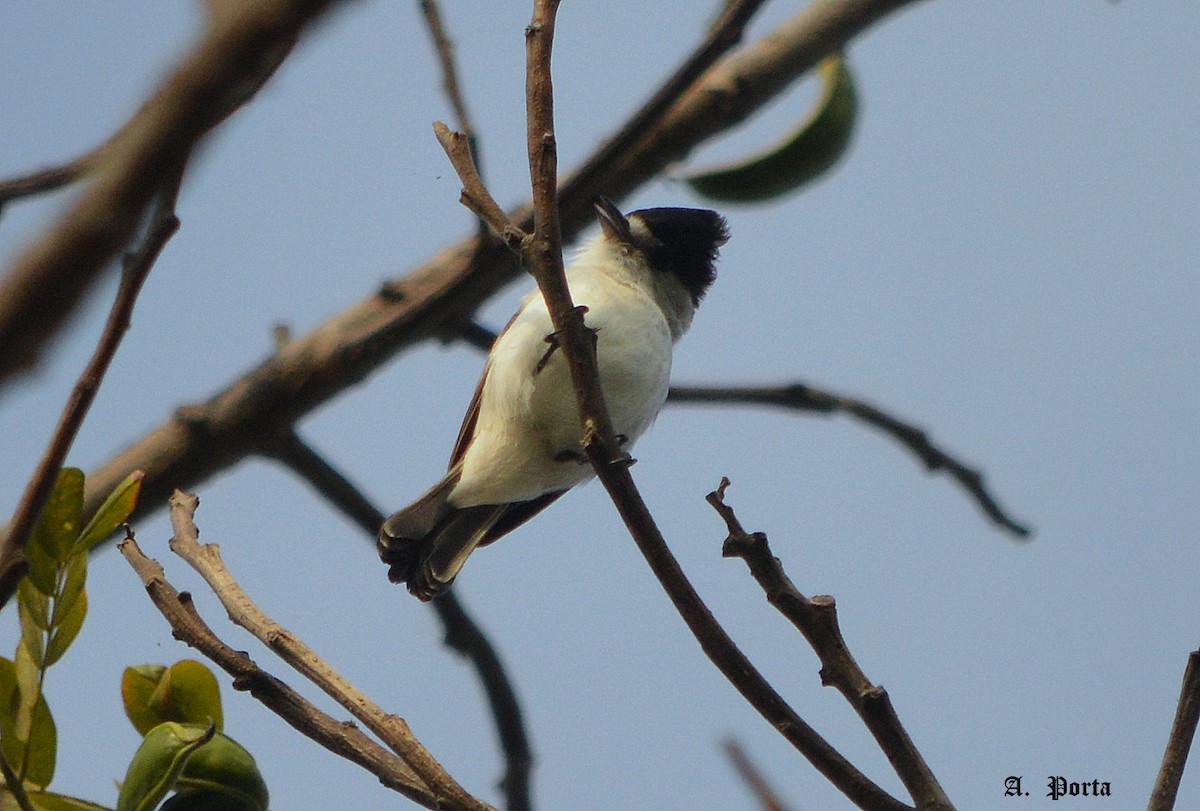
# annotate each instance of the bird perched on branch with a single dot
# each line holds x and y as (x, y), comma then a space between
(520, 445)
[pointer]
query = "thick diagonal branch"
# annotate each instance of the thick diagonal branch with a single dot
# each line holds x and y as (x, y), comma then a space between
(241, 46)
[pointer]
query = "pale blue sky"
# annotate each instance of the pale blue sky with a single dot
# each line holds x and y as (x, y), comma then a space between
(1007, 258)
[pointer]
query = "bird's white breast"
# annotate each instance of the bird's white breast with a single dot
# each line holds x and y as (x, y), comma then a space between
(529, 421)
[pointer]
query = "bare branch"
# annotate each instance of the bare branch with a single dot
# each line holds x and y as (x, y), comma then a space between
(460, 631)
(241, 47)
(816, 619)
(801, 397)
(137, 265)
(343, 739)
(1183, 730)
(391, 729)
(445, 52)
(754, 779)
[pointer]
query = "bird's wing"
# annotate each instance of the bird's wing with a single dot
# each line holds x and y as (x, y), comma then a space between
(467, 432)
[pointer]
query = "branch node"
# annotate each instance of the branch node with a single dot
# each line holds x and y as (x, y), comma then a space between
(824, 603)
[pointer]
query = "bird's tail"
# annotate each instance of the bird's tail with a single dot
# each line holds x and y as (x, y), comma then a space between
(426, 543)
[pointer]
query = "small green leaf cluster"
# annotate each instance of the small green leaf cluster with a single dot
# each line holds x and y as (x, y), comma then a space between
(178, 711)
(183, 753)
(51, 605)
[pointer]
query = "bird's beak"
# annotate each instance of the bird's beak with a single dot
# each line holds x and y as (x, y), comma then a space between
(612, 221)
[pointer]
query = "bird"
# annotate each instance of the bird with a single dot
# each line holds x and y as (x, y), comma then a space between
(520, 445)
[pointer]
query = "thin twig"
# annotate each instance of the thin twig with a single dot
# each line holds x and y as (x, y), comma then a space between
(460, 631)
(450, 83)
(758, 784)
(135, 269)
(44, 180)
(391, 729)
(15, 786)
(801, 397)
(477, 335)
(330, 483)
(816, 619)
(475, 195)
(463, 124)
(343, 739)
(543, 250)
(1183, 730)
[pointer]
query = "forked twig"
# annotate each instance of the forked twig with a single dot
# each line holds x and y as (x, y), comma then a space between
(343, 739)
(816, 619)
(391, 729)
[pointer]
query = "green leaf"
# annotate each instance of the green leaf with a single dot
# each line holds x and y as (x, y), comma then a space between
(42, 748)
(32, 605)
(113, 512)
(43, 568)
(137, 686)
(58, 525)
(805, 154)
(224, 768)
(37, 749)
(49, 801)
(12, 746)
(29, 685)
(66, 628)
(158, 764)
(187, 692)
(33, 638)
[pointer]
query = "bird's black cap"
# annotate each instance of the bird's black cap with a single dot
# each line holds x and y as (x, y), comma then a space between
(680, 241)
(686, 242)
